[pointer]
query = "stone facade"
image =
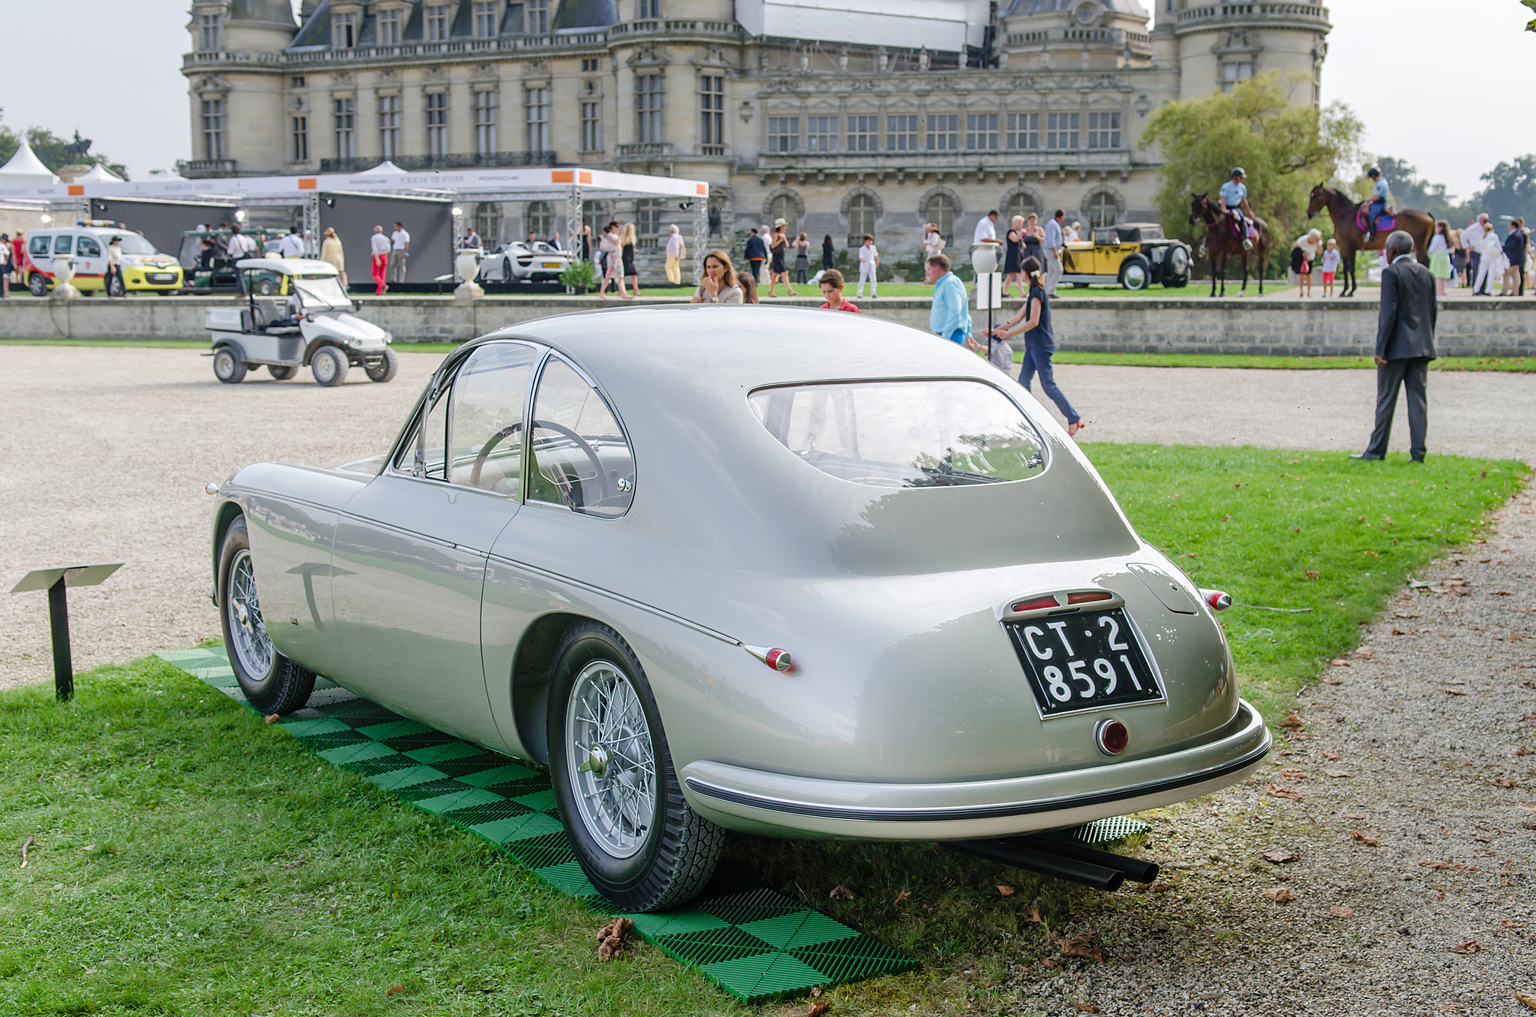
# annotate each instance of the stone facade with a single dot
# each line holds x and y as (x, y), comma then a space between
(837, 137)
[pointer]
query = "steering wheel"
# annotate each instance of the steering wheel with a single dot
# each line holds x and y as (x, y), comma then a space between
(563, 482)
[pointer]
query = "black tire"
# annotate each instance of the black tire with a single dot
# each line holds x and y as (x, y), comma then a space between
(227, 365)
(265, 287)
(37, 284)
(386, 369)
(282, 372)
(678, 849)
(1135, 273)
(329, 366)
(272, 683)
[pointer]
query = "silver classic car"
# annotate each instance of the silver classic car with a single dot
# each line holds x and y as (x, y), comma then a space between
(769, 570)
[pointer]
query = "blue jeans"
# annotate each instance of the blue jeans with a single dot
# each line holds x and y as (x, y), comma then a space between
(1037, 360)
(1377, 208)
(959, 337)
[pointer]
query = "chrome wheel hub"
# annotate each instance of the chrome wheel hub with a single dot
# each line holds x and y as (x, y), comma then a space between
(610, 758)
(247, 631)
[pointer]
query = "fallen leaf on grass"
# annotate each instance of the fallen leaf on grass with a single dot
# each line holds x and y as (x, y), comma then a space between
(1365, 653)
(901, 898)
(1279, 856)
(1341, 911)
(1470, 946)
(1404, 614)
(1161, 887)
(1312, 575)
(394, 990)
(1458, 866)
(1034, 916)
(1006, 891)
(1080, 946)
(1280, 894)
(1330, 756)
(1291, 722)
(1338, 773)
(1276, 791)
(1333, 681)
(1527, 999)
(611, 938)
(1295, 774)
(1050, 963)
(1086, 1008)
(1362, 838)
(841, 892)
(271, 718)
(818, 1008)
(1503, 782)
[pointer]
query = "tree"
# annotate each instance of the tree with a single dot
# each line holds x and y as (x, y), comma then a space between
(1409, 190)
(1530, 26)
(1284, 147)
(50, 149)
(1510, 190)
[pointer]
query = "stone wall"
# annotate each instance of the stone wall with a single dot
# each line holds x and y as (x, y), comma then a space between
(1467, 327)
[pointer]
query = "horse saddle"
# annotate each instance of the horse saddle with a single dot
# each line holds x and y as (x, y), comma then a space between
(1237, 228)
(1385, 223)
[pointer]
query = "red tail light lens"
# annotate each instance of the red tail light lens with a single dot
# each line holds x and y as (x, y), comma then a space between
(1038, 604)
(1088, 598)
(1112, 737)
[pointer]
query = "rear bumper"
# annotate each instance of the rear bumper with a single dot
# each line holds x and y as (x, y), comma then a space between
(770, 803)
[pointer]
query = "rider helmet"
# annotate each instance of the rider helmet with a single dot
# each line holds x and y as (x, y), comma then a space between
(1373, 172)
(1237, 171)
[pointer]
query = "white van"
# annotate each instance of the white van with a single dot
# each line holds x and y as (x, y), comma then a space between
(144, 268)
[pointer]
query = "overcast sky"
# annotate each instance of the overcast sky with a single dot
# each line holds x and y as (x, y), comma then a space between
(1459, 102)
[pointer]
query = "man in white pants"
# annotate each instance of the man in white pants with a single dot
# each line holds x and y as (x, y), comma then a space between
(1054, 241)
(869, 262)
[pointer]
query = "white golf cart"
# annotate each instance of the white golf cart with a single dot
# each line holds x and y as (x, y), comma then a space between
(314, 326)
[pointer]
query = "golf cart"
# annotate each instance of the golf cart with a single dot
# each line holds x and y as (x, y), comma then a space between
(212, 271)
(314, 326)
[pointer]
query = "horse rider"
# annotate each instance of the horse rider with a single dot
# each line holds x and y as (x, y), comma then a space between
(1234, 202)
(1379, 192)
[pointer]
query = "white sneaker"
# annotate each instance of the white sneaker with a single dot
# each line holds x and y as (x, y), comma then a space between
(1247, 245)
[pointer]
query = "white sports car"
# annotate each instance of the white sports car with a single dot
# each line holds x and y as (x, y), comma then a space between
(520, 261)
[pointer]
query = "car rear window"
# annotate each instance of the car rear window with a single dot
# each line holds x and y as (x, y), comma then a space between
(930, 433)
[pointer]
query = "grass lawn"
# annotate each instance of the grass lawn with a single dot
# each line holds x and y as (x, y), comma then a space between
(191, 860)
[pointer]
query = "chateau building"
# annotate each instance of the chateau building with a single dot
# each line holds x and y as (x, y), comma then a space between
(844, 117)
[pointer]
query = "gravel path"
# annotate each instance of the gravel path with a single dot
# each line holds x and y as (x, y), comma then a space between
(1427, 836)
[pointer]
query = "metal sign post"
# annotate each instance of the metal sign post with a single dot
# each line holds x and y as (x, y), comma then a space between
(54, 581)
(989, 294)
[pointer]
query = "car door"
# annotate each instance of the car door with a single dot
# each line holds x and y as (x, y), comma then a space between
(581, 480)
(90, 262)
(409, 558)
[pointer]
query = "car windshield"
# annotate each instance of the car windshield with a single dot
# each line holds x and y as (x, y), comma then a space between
(320, 291)
(134, 244)
(904, 433)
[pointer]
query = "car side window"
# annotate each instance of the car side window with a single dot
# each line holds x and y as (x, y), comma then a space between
(485, 417)
(38, 247)
(88, 248)
(423, 455)
(580, 457)
(61, 243)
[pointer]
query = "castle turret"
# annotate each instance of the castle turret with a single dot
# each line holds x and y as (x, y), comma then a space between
(1221, 43)
(235, 84)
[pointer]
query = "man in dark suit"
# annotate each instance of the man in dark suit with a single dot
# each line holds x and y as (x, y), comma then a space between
(1405, 344)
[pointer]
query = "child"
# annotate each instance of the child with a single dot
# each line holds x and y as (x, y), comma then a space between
(832, 289)
(869, 262)
(1330, 265)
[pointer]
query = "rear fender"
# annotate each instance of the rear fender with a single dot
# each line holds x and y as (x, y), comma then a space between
(233, 344)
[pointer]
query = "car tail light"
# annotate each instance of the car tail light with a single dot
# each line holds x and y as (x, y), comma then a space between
(1216, 600)
(779, 660)
(1111, 736)
(1088, 598)
(1038, 604)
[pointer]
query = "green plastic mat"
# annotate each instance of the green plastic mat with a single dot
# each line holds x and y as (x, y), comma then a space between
(754, 944)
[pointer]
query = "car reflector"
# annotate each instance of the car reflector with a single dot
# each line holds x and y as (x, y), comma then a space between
(1112, 737)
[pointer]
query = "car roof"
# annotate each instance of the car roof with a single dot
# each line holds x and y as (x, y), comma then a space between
(290, 266)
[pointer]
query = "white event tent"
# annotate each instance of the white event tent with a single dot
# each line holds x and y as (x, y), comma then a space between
(25, 173)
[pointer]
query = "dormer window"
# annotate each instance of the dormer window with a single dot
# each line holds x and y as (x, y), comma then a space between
(485, 19)
(208, 26)
(389, 28)
(538, 17)
(344, 31)
(437, 22)
(648, 9)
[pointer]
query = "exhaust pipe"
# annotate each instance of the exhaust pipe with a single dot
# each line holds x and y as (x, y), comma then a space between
(1022, 855)
(1061, 858)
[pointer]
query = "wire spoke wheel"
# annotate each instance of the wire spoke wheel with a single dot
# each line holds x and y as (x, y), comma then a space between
(611, 759)
(247, 630)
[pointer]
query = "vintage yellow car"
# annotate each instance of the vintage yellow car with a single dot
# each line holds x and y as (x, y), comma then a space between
(1130, 254)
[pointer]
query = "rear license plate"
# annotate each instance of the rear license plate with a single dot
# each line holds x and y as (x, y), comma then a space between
(552, 264)
(1084, 662)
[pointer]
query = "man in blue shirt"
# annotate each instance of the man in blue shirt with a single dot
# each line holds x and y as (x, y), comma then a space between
(757, 252)
(1234, 202)
(951, 314)
(1379, 193)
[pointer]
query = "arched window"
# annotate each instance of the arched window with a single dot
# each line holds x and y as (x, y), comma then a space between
(784, 207)
(941, 212)
(1103, 210)
(539, 219)
(861, 219)
(1020, 203)
(487, 222)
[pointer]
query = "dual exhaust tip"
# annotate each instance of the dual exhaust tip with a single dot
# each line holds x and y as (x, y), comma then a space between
(1061, 858)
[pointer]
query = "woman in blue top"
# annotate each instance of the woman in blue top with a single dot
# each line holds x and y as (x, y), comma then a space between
(1034, 321)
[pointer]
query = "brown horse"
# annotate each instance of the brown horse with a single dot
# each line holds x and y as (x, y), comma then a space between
(1221, 243)
(1346, 230)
